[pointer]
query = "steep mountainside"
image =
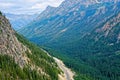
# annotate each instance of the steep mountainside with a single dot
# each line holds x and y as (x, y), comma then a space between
(84, 33)
(9, 43)
(55, 23)
(20, 59)
(20, 20)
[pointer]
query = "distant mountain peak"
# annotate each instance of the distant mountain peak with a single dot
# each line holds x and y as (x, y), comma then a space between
(49, 7)
(87, 31)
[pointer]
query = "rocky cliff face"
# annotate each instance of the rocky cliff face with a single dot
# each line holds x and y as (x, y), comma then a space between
(67, 5)
(110, 29)
(20, 59)
(9, 44)
(76, 19)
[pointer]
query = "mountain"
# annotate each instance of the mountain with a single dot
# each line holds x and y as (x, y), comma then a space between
(84, 34)
(64, 17)
(20, 20)
(20, 59)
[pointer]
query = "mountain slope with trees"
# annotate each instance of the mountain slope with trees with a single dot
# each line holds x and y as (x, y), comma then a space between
(21, 59)
(85, 35)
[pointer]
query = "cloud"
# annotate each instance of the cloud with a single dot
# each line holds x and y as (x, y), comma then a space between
(43, 4)
(27, 6)
(39, 6)
(6, 5)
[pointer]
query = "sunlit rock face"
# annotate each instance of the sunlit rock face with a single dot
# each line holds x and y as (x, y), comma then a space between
(9, 44)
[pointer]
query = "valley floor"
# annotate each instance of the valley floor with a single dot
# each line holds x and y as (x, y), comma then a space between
(67, 73)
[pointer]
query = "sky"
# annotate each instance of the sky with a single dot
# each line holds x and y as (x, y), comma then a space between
(27, 6)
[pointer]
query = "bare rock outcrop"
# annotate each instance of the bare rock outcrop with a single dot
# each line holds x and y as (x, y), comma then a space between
(9, 44)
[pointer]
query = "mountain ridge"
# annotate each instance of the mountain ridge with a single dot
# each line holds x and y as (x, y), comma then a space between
(21, 59)
(20, 20)
(85, 37)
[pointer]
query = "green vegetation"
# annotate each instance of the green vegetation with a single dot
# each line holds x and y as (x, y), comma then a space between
(9, 70)
(41, 59)
(95, 56)
(0, 31)
(91, 59)
(94, 62)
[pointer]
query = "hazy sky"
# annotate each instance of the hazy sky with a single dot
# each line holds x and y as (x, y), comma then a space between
(26, 6)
